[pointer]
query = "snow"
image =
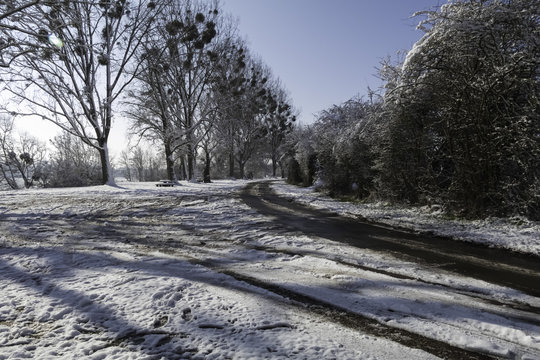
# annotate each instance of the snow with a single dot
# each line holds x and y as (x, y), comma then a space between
(415, 51)
(104, 306)
(516, 233)
(140, 272)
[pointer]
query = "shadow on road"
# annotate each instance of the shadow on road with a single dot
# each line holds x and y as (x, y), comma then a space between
(497, 266)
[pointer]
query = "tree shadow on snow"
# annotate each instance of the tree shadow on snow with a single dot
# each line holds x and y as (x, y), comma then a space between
(173, 327)
(168, 227)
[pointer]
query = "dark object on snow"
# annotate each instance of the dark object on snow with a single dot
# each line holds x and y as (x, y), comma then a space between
(165, 183)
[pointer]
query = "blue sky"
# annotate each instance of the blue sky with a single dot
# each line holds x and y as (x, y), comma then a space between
(327, 51)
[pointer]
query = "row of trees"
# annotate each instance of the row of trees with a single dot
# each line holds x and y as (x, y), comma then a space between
(202, 92)
(26, 161)
(458, 122)
(175, 67)
(141, 164)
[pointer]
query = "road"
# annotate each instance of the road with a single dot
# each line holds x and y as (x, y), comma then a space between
(518, 271)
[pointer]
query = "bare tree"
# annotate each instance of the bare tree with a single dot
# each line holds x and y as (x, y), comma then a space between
(249, 92)
(20, 158)
(138, 160)
(126, 164)
(228, 85)
(179, 57)
(278, 122)
(74, 59)
(72, 163)
(146, 163)
(6, 143)
(10, 8)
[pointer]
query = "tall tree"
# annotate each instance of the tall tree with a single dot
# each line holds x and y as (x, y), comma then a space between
(74, 59)
(180, 55)
(228, 85)
(278, 123)
(251, 106)
(248, 112)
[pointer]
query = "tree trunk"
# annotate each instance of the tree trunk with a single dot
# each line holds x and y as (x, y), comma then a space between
(242, 165)
(171, 175)
(106, 169)
(274, 164)
(190, 161)
(183, 168)
(206, 174)
(231, 164)
(9, 178)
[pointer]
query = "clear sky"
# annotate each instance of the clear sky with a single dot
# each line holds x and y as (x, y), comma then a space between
(324, 51)
(327, 51)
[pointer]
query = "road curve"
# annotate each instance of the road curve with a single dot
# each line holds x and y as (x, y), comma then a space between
(497, 266)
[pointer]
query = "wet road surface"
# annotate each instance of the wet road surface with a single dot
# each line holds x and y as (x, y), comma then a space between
(497, 266)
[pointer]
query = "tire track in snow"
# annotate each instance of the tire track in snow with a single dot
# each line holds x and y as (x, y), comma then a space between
(522, 312)
(472, 294)
(355, 321)
(343, 316)
(497, 266)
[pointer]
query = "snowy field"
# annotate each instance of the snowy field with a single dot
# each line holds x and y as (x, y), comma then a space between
(140, 272)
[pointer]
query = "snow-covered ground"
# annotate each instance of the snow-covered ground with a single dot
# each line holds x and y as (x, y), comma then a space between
(516, 234)
(139, 272)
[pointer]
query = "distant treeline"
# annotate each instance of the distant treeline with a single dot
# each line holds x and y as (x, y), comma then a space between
(457, 123)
